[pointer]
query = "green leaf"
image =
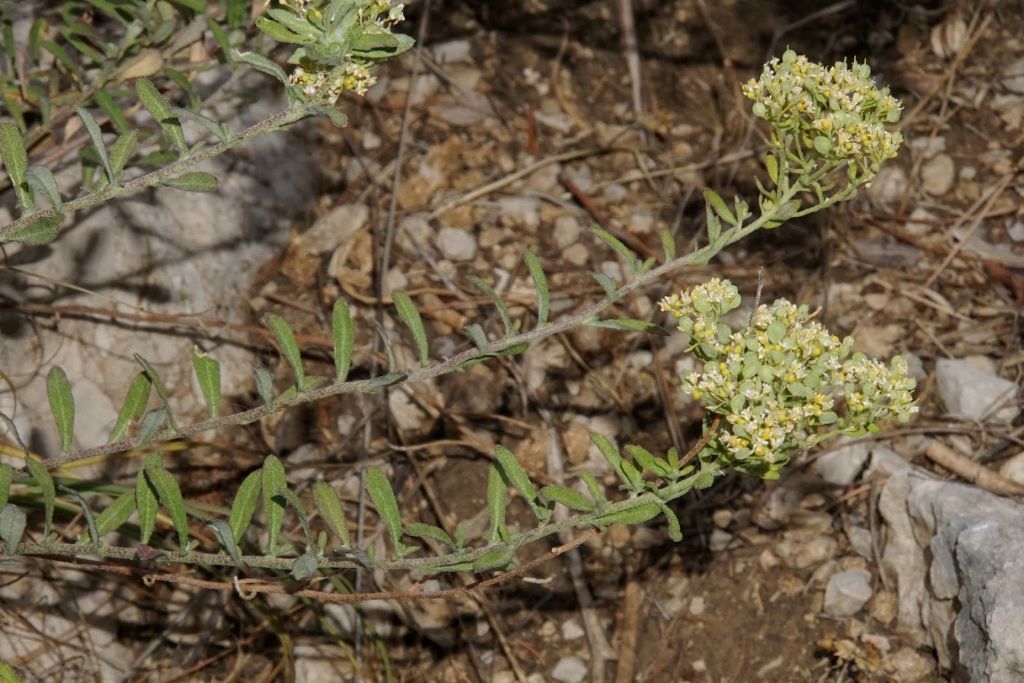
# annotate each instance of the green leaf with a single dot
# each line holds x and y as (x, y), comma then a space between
(300, 511)
(133, 406)
(288, 346)
(152, 422)
(113, 112)
(12, 149)
(170, 496)
(715, 201)
(8, 674)
(574, 500)
(62, 405)
(280, 34)
(146, 501)
(158, 384)
(193, 181)
(122, 150)
(429, 531)
(90, 520)
(45, 483)
(497, 500)
(628, 255)
(610, 453)
(260, 63)
(646, 460)
(595, 489)
(540, 283)
(116, 514)
(222, 530)
(411, 317)
(264, 385)
(499, 303)
(344, 332)
(12, 527)
(328, 503)
(628, 325)
(207, 371)
(244, 505)
(294, 23)
(37, 232)
(97, 141)
(160, 109)
(389, 350)
(497, 558)
(668, 244)
(479, 337)
(714, 225)
(383, 381)
(611, 290)
(42, 181)
(305, 565)
(6, 475)
(218, 130)
(517, 476)
(397, 44)
(273, 507)
(636, 515)
(383, 497)
(674, 532)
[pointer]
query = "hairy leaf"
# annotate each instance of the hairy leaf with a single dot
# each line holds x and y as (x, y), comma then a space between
(540, 283)
(12, 527)
(628, 255)
(244, 505)
(607, 284)
(496, 558)
(146, 501)
(116, 514)
(222, 530)
(628, 325)
(207, 371)
(152, 422)
(636, 515)
(479, 337)
(158, 384)
(675, 533)
(96, 137)
(329, 505)
(517, 476)
(62, 405)
(12, 149)
(8, 674)
(109, 106)
(122, 151)
(499, 303)
(300, 512)
(383, 497)
(264, 384)
(6, 475)
(288, 346)
(305, 565)
(344, 332)
(90, 520)
(160, 109)
(194, 181)
(37, 232)
(411, 317)
(574, 500)
(42, 181)
(273, 506)
(497, 500)
(46, 486)
(715, 201)
(595, 489)
(281, 34)
(218, 130)
(260, 63)
(429, 531)
(170, 496)
(389, 350)
(668, 244)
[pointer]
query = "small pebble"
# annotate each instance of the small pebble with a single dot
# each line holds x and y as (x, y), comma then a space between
(569, 670)
(455, 244)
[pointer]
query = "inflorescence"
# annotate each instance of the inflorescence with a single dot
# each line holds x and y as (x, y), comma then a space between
(783, 383)
(836, 112)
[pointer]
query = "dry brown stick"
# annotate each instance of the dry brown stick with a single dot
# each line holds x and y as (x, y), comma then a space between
(692, 453)
(989, 200)
(976, 473)
(630, 632)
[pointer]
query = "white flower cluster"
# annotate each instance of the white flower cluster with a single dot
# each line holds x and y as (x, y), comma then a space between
(837, 112)
(778, 382)
(325, 85)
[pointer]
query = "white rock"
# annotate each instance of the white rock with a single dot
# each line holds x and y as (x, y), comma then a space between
(567, 231)
(921, 222)
(804, 554)
(970, 392)
(938, 174)
(569, 670)
(1013, 79)
(455, 244)
(889, 185)
(451, 51)
(697, 606)
(860, 541)
(909, 666)
(524, 209)
(336, 226)
(394, 279)
(847, 592)
(719, 540)
(1016, 230)
(1013, 469)
(841, 465)
(576, 254)
(571, 630)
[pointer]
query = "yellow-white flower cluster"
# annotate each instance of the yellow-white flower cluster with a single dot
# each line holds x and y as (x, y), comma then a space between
(324, 85)
(836, 112)
(778, 381)
(384, 13)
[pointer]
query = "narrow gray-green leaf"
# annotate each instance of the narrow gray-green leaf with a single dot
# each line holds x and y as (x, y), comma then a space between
(411, 317)
(207, 371)
(158, 384)
(628, 325)
(113, 111)
(46, 486)
(497, 558)
(300, 512)
(37, 232)
(646, 460)
(12, 527)
(264, 384)
(90, 520)
(222, 530)
(193, 181)
(497, 501)
(715, 201)
(305, 565)
(611, 290)
(122, 151)
(43, 182)
(619, 246)
(344, 332)
(594, 489)
(204, 122)
(383, 497)
(13, 430)
(329, 505)
(637, 515)
(6, 475)
(499, 303)
(133, 406)
(517, 476)
(431, 532)
(146, 501)
(116, 514)
(8, 674)
(160, 109)
(382, 381)
(170, 496)
(540, 283)
(288, 346)
(389, 350)
(152, 422)
(479, 337)
(96, 136)
(273, 507)
(260, 63)
(609, 451)
(574, 500)
(668, 244)
(62, 405)
(244, 505)
(675, 533)
(12, 149)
